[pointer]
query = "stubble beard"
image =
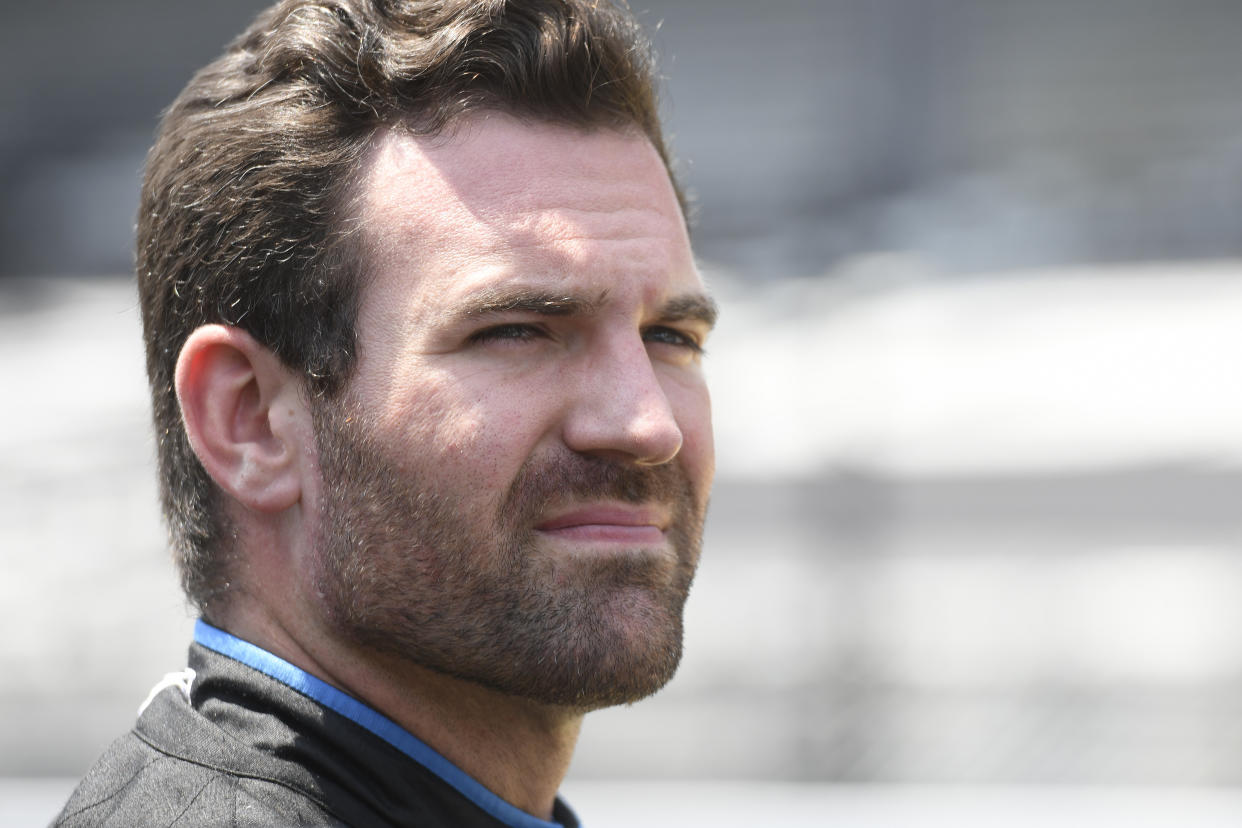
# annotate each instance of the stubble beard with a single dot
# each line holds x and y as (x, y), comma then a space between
(405, 569)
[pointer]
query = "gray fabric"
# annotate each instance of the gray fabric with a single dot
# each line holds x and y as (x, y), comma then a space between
(246, 750)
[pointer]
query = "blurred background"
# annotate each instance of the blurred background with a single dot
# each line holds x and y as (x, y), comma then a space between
(975, 552)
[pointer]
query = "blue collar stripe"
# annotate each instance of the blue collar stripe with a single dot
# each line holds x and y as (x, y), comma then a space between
(218, 640)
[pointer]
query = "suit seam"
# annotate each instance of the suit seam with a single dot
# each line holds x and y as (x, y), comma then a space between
(234, 773)
(114, 794)
(190, 804)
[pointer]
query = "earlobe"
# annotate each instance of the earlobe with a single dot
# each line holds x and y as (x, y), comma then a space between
(243, 411)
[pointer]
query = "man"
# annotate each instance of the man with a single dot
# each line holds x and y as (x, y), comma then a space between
(424, 335)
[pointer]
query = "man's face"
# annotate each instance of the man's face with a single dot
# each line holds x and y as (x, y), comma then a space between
(516, 478)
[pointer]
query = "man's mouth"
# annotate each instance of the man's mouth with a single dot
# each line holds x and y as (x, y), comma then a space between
(608, 523)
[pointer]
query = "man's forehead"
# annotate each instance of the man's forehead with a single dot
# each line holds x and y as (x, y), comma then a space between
(496, 198)
(492, 164)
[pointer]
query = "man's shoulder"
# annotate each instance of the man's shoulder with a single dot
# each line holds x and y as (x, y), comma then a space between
(232, 746)
(136, 784)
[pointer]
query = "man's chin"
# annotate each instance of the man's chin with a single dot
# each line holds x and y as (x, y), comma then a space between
(629, 648)
(594, 683)
(619, 636)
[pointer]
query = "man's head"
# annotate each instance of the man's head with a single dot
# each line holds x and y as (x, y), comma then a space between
(451, 225)
(245, 213)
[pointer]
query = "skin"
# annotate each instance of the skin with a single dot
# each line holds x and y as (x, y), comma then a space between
(531, 295)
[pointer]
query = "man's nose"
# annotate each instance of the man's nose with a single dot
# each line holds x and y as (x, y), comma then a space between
(620, 409)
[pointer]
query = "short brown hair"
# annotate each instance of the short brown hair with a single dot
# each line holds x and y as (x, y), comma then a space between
(244, 212)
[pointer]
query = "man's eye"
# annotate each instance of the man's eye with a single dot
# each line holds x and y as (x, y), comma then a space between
(671, 336)
(511, 332)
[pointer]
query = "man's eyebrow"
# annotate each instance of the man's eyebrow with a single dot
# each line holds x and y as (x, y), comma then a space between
(527, 300)
(697, 307)
(692, 306)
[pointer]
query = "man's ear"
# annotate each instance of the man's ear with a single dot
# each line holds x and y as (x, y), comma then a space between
(245, 416)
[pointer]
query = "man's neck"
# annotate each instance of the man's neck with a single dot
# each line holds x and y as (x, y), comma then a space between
(518, 749)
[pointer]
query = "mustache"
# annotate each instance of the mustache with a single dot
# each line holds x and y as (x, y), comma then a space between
(586, 477)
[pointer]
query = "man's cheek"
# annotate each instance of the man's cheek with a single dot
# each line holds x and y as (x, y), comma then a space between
(432, 425)
(481, 449)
